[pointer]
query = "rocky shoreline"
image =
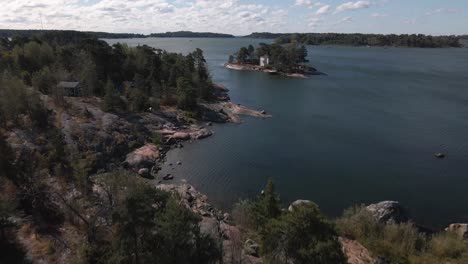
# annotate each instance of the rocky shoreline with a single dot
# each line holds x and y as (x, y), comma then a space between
(250, 67)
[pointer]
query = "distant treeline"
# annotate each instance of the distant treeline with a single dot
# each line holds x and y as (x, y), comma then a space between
(9, 33)
(419, 40)
(265, 35)
(189, 34)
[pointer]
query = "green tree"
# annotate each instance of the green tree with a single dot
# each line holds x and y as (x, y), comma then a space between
(302, 54)
(7, 157)
(111, 101)
(13, 97)
(267, 206)
(242, 55)
(302, 236)
(186, 95)
(44, 80)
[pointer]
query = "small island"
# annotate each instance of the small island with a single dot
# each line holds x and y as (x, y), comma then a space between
(289, 60)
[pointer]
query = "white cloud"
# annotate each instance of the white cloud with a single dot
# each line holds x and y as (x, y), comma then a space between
(378, 15)
(323, 10)
(144, 16)
(442, 11)
(353, 6)
(303, 2)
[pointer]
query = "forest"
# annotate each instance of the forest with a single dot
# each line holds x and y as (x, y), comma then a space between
(156, 76)
(190, 34)
(413, 41)
(9, 33)
(141, 223)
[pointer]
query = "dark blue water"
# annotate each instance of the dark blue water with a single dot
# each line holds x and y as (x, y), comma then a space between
(366, 132)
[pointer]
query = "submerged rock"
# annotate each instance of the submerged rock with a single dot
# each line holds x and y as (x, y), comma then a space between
(389, 212)
(168, 177)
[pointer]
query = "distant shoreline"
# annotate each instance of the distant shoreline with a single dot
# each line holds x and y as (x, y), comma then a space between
(314, 39)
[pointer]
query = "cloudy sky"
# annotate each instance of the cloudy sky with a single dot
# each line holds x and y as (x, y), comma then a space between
(239, 16)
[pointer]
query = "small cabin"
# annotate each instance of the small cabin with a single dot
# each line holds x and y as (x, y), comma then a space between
(70, 88)
(264, 61)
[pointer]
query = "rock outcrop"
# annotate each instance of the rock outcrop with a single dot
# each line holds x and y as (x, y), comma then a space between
(460, 229)
(144, 157)
(298, 203)
(214, 223)
(201, 134)
(355, 252)
(389, 212)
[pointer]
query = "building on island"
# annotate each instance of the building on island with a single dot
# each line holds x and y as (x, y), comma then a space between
(70, 88)
(264, 61)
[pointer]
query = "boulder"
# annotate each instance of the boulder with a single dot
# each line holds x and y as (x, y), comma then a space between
(382, 260)
(144, 157)
(144, 172)
(460, 229)
(226, 217)
(200, 134)
(181, 136)
(389, 212)
(210, 226)
(251, 248)
(299, 203)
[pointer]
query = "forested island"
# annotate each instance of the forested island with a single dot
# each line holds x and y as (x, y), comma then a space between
(9, 33)
(288, 60)
(190, 34)
(392, 40)
(84, 127)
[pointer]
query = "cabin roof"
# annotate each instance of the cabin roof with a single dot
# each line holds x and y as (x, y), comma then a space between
(68, 84)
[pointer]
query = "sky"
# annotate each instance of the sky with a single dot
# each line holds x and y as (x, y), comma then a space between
(239, 17)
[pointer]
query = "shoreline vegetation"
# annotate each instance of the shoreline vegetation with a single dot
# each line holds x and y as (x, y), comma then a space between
(323, 39)
(286, 60)
(84, 127)
(370, 40)
(9, 33)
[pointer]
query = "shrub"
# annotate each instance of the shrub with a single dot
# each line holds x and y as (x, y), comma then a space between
(302, 236)
(448, 246)
(401, 243)
(156, 138)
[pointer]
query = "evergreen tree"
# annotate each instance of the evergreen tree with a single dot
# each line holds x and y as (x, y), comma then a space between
(111, 101)
(302, 236)
(267, 206)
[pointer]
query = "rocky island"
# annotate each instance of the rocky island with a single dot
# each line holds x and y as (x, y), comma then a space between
(273, 59)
